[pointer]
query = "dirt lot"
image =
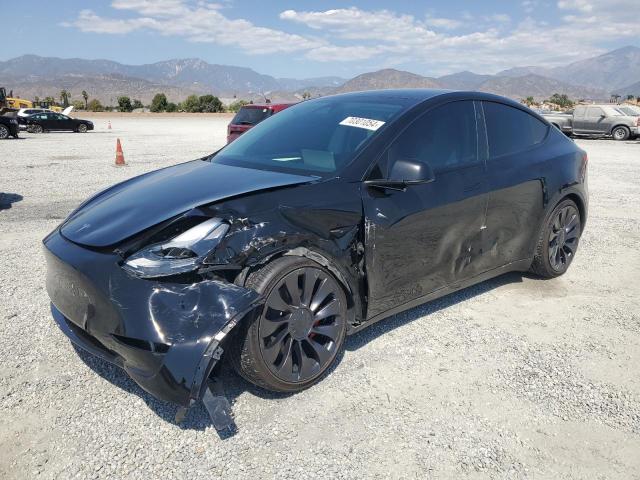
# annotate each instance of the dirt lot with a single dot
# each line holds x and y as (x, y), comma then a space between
(513, 378)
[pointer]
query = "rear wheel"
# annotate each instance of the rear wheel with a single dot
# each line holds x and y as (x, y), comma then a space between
(4, 132)
(558, 241)
(82, 128)
(620, 133)
(301, 330)
(36, 129)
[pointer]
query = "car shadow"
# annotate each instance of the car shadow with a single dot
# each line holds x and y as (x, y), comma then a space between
(8, 199)
(233, 385)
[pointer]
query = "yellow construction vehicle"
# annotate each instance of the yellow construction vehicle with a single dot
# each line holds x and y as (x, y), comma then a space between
(8, 104)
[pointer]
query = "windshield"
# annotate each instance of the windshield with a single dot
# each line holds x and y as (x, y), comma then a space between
(318, 137)
(250, 116)
(612, 111)
(628, 110)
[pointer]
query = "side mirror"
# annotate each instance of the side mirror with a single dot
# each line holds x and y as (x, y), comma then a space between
(405, 172)
(411, 171)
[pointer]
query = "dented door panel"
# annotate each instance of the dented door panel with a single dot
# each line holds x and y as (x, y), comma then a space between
(423, 238)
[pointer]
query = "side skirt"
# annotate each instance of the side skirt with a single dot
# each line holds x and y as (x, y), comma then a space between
(517, 266)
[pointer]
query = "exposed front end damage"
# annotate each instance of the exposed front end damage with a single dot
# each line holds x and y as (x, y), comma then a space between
(167, 333)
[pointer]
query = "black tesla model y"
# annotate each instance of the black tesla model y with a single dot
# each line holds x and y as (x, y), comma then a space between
(330, 216)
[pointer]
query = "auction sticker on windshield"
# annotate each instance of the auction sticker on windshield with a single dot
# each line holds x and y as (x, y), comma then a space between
(366, 123)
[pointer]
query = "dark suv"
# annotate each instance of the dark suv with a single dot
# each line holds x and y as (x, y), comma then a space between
(250, 115)
(339, 212)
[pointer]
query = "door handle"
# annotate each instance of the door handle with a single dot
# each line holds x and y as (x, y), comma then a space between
(472, 187)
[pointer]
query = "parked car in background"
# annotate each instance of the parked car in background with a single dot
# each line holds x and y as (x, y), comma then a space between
(52, 121)
(337, 213)
(9, 126)
(597, 121)
(25, 112)
(631, 110)
(250, 115)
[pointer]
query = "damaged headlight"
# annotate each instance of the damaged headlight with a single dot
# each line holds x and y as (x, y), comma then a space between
(181, 254)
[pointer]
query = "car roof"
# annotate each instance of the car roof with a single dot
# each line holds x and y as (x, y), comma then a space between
(412, 97)
(267, 105)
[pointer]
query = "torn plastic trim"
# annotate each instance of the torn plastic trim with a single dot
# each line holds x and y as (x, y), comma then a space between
(213, 352)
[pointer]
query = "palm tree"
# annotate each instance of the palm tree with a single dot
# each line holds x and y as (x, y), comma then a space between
(64, 97)
(85, 95)
(615, 98)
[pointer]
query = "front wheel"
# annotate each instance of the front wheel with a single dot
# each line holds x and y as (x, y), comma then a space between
(620, 133)
(558, 241)
(82, 128)
(301, 330)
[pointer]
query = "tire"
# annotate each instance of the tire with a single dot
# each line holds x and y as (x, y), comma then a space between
(37, 129)
(82, 128)
(4, 132)
(298, 336)
(620, 133)
(558, 242)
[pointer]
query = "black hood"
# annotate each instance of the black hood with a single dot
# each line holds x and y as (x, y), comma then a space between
(142, 202)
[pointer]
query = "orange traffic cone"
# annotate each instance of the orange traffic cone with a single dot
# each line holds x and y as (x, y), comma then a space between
(119, 154)
(109, 126)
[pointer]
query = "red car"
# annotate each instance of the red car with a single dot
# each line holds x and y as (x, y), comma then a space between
(251, 115)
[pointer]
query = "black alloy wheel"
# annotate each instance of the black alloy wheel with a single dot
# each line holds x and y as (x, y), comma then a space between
(301, 325)
(558, 241)
(563, 238)
(300, 331)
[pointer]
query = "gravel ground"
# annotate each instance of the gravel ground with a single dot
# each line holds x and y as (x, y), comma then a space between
(512, 378)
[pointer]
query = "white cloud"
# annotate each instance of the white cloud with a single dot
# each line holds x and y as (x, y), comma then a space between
(202, 22)
(485, 43)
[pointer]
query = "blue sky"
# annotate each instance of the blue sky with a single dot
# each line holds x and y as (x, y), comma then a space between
(308, 38)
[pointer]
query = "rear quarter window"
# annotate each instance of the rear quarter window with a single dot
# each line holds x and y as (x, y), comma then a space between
(511, 130)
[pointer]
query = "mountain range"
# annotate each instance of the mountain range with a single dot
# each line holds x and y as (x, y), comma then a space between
(28, 76)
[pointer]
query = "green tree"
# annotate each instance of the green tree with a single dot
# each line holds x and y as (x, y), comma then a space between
(85, 96)
(191, 104)
(64, 97)
(171, 107)
(561, 100)
(95, 106)
(615, 98)
(124, 104)
(49, 100)
(137, 104)
(36, 100)
(237, 105)
(210, 104)
(306, 96)
(529, 101)
(79, 105)
(159, 103)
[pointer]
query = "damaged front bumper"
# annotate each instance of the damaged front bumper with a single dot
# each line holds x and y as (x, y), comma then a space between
(165, 335)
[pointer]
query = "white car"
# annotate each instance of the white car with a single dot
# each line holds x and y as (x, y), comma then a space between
(25, 112)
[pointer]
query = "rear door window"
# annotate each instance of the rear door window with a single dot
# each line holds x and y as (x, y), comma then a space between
(511, 130)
